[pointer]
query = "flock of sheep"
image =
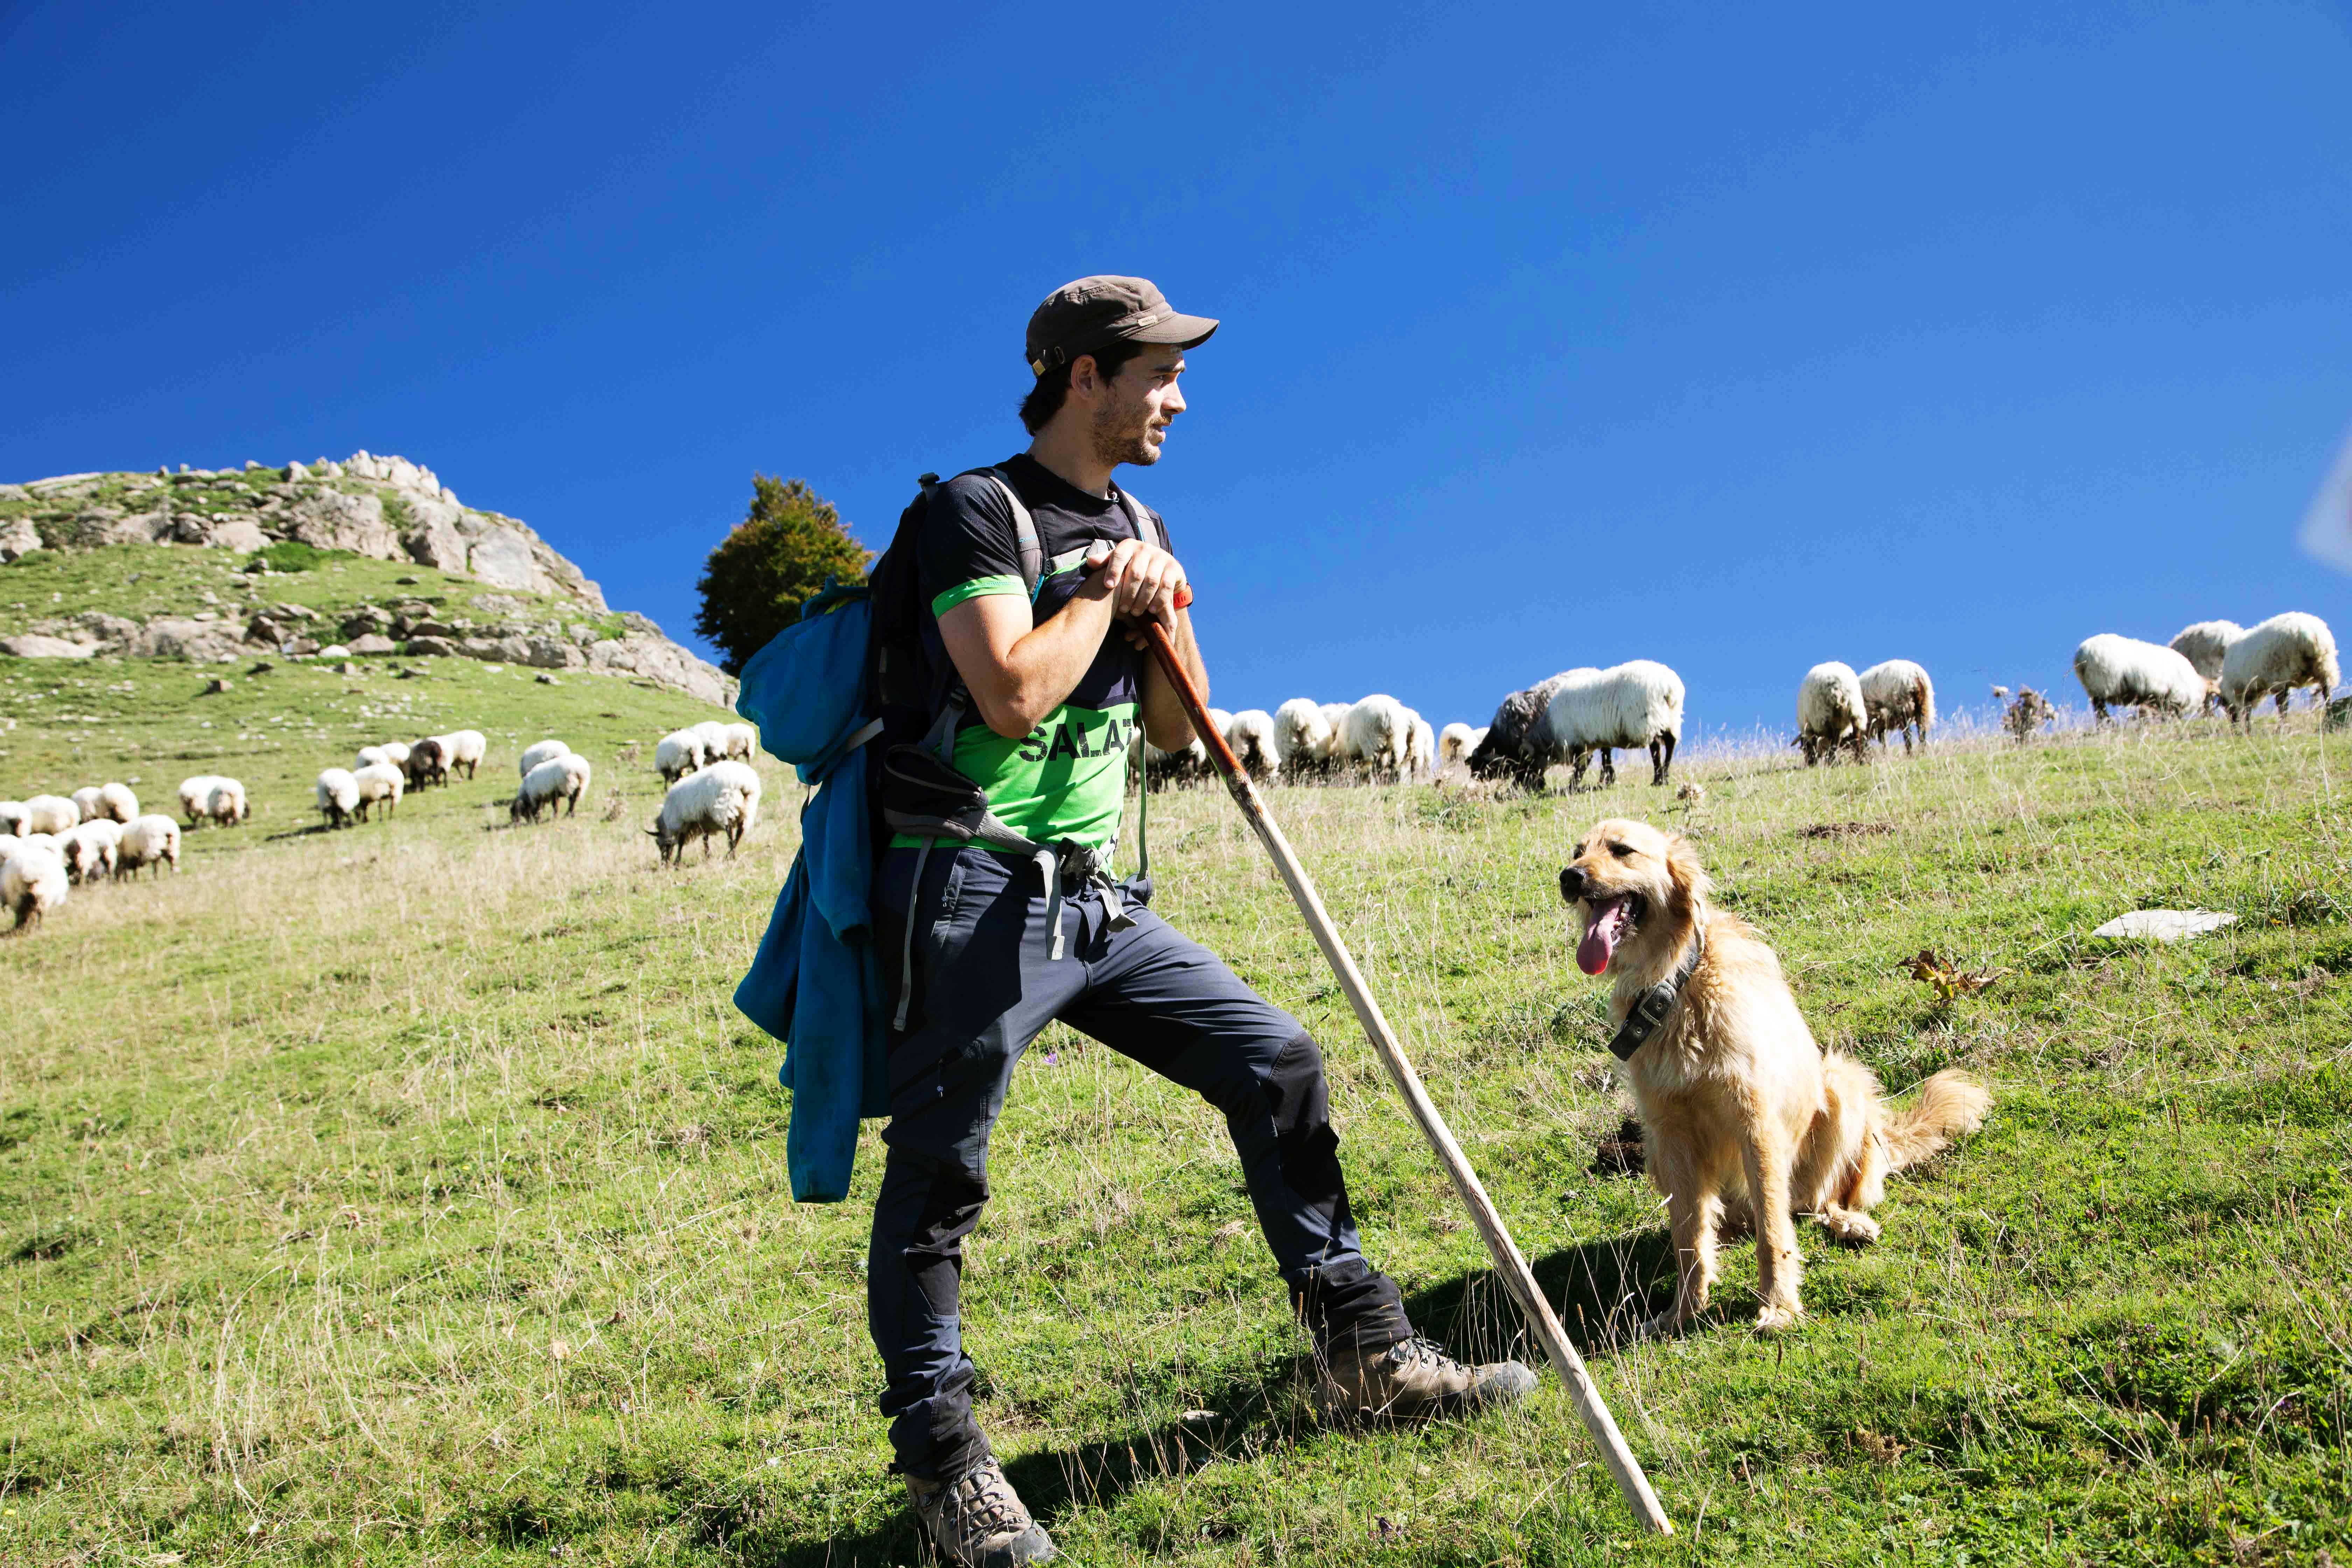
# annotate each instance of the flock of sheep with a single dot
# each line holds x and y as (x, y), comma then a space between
(2213, 663)
(51, 842)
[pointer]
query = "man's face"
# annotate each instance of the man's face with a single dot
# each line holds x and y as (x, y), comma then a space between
(1133, 409)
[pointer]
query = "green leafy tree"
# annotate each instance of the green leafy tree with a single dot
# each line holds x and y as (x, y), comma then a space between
(775, 561)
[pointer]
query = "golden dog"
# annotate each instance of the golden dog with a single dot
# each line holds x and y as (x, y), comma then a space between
(1737, 1102)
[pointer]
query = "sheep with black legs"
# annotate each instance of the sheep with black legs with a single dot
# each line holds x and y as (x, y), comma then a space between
(2124, 672)
(563, 778)
(152, 840)
(224, 805)
(380, 784)
(742, 742)
(676, 754)
(1302, 739)
(1517, 745)
(1376, 736)
(428, 762)
(1250, 735)
(91, 850)
(465, 749)
(1637, 704)
(338, 794)
(32, 883)
(1898, 696)
(722, 800)
(2273, 659)
(1831, 712)
(118, 804)
(194, 795)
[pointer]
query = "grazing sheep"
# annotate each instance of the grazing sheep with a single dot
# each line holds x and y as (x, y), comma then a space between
(225, 804)
(428, 762)
(1303, 739)
(1163, 769)
(1830, 712)
(2133, 674)
(722, 799)
(378, 782)
(117, 803)
(1419, 748)
(50, 813)
(534, 755)
(150, 840)
(194, 795)
(676, 754)
(1456, 742)
(2205, 645)
(712, 736)
(2274, 658)
(1638, 703)
(32, 883)
(1517, 744)
(2030, 713)
(562, 778)
(1375, 735)
(1250, 734)
(371, 756)
(338, 794)
(85, 801)
(12, 818)
(742, 742)
(90, 849)
(465, 748)
(1897, 695)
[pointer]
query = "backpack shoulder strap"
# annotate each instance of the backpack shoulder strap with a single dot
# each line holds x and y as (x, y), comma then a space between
(1141, 517)
(1024, 530)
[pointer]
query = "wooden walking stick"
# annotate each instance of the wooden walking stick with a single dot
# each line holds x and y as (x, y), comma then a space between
(1508, 1263)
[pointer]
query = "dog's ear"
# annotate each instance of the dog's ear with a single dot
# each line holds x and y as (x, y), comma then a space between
(1684, 871)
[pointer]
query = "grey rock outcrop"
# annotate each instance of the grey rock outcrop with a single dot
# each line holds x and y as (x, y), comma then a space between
(33, 645)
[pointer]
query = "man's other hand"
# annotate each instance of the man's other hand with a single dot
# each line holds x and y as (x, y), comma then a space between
(1141, 581)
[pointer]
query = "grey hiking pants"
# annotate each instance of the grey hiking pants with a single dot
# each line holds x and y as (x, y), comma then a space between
(984, 988)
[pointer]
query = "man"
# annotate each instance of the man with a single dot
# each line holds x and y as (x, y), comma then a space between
(983, 954)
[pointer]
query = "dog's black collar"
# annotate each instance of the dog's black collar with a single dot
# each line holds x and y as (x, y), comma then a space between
(1649, 1010)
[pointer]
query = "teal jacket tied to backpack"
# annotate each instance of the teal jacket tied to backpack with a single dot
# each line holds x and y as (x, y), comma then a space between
(816, 981)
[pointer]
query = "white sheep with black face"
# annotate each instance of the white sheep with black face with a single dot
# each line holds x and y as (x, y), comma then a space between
(152, 840)
(1831, 712)
(1896, 695)
(225, 806)
(1251, 736)
(2273, 659)
(2124, 672)
(379, 783)
(463, 749)
(677, 753)
(32, 882)
(194, 792)
(1517, 744)
(722, 800)
(563, 778)
(338, 794)
(1636, 704)
(1303, 739)
(118, 804)
(91, 850)
(1376, 737)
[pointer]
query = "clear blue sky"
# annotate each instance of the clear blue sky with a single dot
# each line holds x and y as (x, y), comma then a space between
(1552, 336)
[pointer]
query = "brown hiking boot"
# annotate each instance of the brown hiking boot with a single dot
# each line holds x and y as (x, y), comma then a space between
(1411, 1380)
(977, 1520)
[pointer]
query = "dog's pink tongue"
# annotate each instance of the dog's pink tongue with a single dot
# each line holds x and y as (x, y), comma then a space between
(1601, 937)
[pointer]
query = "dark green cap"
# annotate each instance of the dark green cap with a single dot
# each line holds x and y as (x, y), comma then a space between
(1081, 317)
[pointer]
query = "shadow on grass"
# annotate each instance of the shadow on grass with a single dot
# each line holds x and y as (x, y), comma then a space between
(1598, 1287)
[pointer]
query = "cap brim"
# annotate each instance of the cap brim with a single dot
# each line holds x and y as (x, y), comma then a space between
(1183, 332)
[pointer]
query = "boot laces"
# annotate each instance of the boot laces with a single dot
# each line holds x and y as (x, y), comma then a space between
(986, 1499)
(1419, 1350)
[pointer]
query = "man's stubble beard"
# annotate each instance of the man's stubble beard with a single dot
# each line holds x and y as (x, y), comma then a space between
(1117, 439)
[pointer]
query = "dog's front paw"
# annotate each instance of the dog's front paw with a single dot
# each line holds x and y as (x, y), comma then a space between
(1847, 1226)
(1778, 1320)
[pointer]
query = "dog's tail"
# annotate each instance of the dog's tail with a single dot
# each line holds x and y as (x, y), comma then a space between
(1950, 1103)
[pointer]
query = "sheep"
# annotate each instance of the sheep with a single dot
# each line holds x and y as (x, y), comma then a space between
(85, 801)
(563, 778)
(150, 840)
(118, 804)
(710, 735)
(1638, 703)
(1896, 695)
(194, 792)
(1419, 748)
(1250, 734)
(1517, 744)
(90, 849)
(32, 883)
(722, 799)
(2274, 658)
(742, 742)
(2134, 674)
(428, 762)
(2204, 644)
(1456, 742)
(1375, 736)
(534, 755)
(12, 818)
(50, 813)
(338, 794)
(676, 754)
(370, 757)
(378, 782)
(225, 804)
(465, 749)
(1302, 739)
(1830, 710)
(2029, 713)
(1162, 768)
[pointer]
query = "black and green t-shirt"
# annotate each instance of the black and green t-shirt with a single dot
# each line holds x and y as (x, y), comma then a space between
(1065, 779)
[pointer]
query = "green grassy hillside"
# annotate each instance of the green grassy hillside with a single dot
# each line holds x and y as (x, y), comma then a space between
(413, 1194)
